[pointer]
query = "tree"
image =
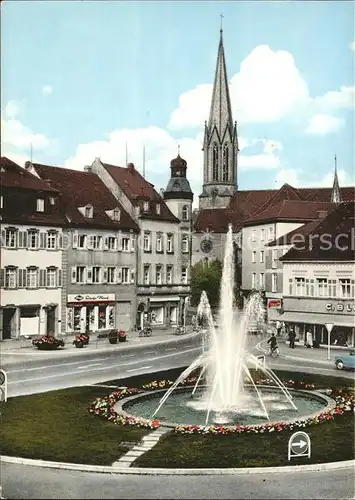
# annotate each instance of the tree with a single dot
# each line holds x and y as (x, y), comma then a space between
(206, 276)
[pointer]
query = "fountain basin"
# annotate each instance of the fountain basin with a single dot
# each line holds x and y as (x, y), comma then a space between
(182, 409)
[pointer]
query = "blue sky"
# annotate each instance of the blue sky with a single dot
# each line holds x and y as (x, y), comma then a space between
(80, 79)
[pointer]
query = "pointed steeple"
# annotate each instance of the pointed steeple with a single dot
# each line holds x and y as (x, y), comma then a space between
(336, 190)
(220, 111)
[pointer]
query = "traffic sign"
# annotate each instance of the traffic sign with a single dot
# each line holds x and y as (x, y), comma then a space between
(329, 327)
(299, 445)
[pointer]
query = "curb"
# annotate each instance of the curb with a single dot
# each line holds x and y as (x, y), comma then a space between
(298, 358)
(175, 472)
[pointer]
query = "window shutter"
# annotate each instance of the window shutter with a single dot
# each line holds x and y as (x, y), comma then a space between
(42, 240)
(89, 242)
(42, 278)
(3, 237)
(133, 276)
(119, 241)
(119, 275)
(73, 274)
(25, 239)
(60, 242)
(20, 239)
(104, 275)
(59, 277)
(89, 274)
(133, 243)
(105, 243)
(75, 240)
(2, 277)
(20, 278)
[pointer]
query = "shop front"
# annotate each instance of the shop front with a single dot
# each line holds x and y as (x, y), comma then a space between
(311, 315)
(159, 311)
(90, 312)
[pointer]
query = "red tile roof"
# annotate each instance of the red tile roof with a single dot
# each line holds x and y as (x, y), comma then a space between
(248, 205)
(138, 189)
(79, 189)
(331, 240)
(14, 176)
(289, 210)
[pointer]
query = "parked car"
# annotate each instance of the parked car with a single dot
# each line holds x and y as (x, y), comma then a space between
(345, 361)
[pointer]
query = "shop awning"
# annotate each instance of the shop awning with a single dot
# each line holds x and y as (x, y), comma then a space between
(171, 298)
(317, 319)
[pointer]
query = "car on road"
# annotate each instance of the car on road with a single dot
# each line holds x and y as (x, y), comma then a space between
(345, 361)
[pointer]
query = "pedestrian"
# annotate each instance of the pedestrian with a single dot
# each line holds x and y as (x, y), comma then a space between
(309, 339)
(292, 338)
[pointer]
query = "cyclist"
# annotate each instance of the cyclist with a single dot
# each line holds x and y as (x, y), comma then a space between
(273, 344)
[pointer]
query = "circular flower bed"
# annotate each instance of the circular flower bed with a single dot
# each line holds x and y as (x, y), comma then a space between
(104, 407)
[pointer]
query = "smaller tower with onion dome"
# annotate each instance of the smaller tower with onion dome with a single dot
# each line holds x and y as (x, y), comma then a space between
(178, 195)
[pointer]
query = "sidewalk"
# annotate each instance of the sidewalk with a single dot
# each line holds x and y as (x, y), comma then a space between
(132, 337)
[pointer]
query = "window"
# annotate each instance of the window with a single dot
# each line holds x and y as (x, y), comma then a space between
(125, 244)
(32, 278)
(89, 212)
(159, 242)
(51, 278)
(10, 238)
(322, 287)
(185, 213)
(274, 259)
(185, 243)
(80, 274)
(274, 283)
(96, 274)
(184, 275)
(146, 206)
(170, 243)
(52, 240)
(147, 242)
(82, 241)
(111, 242)
(125, 275)
(253, 280)
(300, 286)
(261, 280)
(262, 234)
(51, 200)
(253, 235)
(271, 233)
(146, 275)
(253, 257)
(225, 169)
(111, 274)
(40, 205)
(32, 239)
(116, 215)
(169, 275)
(261, 256)
(10, 277)
(95, 242)
(1, 201)
(345, 288)
(158, 208)
(215, 162)
(158, 275)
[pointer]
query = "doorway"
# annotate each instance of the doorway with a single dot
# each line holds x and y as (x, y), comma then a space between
(51, 320)
(8, 318)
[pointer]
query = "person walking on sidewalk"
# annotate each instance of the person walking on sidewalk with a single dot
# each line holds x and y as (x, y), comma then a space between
(292, 338)
(309, 339)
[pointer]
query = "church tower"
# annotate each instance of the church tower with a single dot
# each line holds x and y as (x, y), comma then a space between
(335, 198)
(220, 144)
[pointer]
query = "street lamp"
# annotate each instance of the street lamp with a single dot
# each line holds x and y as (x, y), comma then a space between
(329, 327)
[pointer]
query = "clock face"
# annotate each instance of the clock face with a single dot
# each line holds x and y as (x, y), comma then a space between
(206, 245)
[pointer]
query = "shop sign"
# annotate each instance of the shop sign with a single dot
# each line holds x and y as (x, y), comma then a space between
(340, 307)
(91, 297)
(274, 303)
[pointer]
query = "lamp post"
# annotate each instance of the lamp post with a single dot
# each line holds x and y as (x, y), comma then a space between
(329, 327)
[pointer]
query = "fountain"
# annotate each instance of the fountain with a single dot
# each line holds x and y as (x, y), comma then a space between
(225, 391)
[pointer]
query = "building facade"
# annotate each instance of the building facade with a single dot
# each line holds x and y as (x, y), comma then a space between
(31, 276)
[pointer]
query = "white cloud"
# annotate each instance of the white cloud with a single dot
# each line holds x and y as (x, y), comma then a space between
(15, 134)
(258, 162)
(324, 124)
(47, 90)
(352, 46)
(12, 109)
(344, 98)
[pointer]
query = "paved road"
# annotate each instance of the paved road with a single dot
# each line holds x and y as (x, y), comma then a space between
(26, 482)
(37, 371)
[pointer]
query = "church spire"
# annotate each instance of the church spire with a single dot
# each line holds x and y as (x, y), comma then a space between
(220, 111)
(336, 190)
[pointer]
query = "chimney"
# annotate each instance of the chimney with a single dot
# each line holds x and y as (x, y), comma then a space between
(87, 168)
(130, 166)
(28, 165)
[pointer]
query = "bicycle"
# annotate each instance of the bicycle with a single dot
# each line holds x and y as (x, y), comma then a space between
(180, 330)
(274, 352)
(145, 332)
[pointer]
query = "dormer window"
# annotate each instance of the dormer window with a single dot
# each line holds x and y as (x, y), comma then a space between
(158, 208)
(40, 205)
(146, 206)
(51, 201)
(185, 213)
(116, 214)
(137, 210)
(89, 212)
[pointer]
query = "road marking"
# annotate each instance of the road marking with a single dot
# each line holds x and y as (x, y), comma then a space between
(104, 367)
(87, 366)
(141, 368)
(149, 352)
(51, 366)
(171, 349)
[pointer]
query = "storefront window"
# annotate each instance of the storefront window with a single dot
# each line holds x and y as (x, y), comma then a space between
(102, 317)
(111, 317)
(70, 319)
(77, 318)
(90, 318)
(157, 315)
